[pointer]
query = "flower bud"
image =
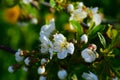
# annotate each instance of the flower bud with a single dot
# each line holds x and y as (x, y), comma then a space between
(34, 21)
(13, 68)
(10, 69)
(80, 5)
(88, 55)
(93, 47)
(41, 69)
(115, 78)
(27, 61)
(70, 8)
(62, 74)
(42, 78)
(43, 61)
(25, 68)
(84, 38)
(18, 56)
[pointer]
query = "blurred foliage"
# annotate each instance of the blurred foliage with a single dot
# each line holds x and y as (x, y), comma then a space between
(17, 31)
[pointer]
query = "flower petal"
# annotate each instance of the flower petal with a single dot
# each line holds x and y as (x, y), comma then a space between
(62, 55)
(70, 48)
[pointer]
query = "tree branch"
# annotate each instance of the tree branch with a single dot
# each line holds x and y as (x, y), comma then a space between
(8, 49)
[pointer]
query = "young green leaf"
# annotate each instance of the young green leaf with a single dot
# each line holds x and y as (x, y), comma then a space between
(74, 77)
(93, 32)
(111, 33)
(78, 27)
(102, 39)
(52, 3)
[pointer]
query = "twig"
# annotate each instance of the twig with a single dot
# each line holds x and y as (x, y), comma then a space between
(112, 22)
(8, 49)
(84, 25)
(45, 3)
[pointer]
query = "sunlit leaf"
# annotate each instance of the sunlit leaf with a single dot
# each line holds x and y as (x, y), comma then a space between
(52, 3)
(78, 27)
(74, 77)
(111, 33)
(114, 33)
(93, 32)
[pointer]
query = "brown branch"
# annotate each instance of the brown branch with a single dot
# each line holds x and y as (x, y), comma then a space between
(84, 25)
(8, 49)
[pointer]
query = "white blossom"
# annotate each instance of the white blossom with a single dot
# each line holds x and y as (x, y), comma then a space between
(97, 19)
(18, 57)
(42, 78)
(93, 47)
(10, 69)
(41, 70)
(70, 8)
(70, 48)
(47, 47)
(59, 37)
(34, 20)
(80, 5)
(43, 61)
(94, 10)
(46, 44)
(48, 29)
(27, 61)
(44, 48)
(62, 74)
(25, 68)
(116, 78)
(84, 38)
(62, 47)
(78, 15)
(89, 76)
(88, 55)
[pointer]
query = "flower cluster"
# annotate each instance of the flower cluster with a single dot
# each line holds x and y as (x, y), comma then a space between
(81, 12)
(54, 43)
(69, 56)
(57, 45)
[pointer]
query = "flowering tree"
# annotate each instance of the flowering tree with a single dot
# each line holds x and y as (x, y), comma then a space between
(72, 44)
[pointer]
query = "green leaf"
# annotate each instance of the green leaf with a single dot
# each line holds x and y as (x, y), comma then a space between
(111, 33)
(91, 26)
(78, 27)
(102, 39)
(52, 3)
(93, 32)
(74, 77)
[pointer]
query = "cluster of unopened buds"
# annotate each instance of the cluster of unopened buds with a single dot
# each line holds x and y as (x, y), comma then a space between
(55, 44)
